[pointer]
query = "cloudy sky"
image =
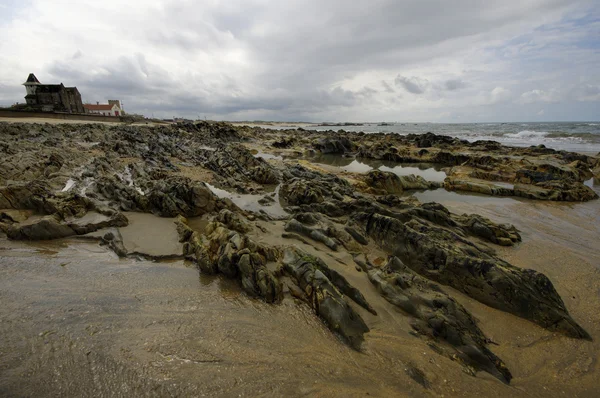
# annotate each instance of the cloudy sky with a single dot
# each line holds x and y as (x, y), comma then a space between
(313, 60)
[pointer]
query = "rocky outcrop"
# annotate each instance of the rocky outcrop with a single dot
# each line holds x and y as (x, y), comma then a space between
(300, 192)
(337, 145)
(557, 190)
(233, 254)
(166, 198)
(315, 279)
(445, 257)
(438, 317)
(478, 186)
(52, 227)
(385, 182)
(236, 162)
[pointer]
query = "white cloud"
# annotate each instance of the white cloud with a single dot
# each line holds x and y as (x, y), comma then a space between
(499, 94)
(536, 95)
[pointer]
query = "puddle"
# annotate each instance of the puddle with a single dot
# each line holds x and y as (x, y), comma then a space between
(151, 235)
(428, 171)
(249, 202)
(357, 167)
(267, 156)
(198, 223)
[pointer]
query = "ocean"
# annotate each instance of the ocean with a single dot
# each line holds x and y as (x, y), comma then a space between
(575, 136)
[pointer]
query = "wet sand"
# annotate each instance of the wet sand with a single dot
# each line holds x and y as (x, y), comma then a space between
(77, 321)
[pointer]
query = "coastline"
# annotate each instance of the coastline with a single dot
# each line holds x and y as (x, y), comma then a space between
(169, 330)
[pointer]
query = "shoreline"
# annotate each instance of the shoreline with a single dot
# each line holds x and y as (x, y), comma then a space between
(254, 210)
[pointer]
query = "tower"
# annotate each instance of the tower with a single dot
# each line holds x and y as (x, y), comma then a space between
(31, 84)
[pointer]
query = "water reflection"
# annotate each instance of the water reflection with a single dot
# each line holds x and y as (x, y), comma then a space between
(249, 202)
(429, 171)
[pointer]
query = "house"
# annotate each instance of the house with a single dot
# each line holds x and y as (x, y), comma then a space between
(52, 97)
(113, 108)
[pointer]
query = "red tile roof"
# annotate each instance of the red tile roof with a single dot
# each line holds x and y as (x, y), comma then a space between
(100, 107)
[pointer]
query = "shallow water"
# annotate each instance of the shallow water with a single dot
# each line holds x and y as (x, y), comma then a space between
(428, 171)
(249, 202)
(267, 156)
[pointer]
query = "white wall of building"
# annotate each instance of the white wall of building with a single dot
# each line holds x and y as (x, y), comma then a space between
(114, 111)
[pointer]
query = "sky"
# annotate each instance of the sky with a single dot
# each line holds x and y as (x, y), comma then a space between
(313, 60)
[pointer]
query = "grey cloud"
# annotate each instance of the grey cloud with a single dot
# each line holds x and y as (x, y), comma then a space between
(387, 87)
(454, 84)
(413, 84)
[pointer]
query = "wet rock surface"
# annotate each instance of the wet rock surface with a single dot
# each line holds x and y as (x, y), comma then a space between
(438, 316)
(93, 181)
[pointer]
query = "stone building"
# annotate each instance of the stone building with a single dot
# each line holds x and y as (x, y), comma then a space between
(52, 97)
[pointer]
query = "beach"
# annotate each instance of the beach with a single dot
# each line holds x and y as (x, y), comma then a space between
(210, 259)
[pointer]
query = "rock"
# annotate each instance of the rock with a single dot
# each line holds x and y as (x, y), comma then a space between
(478, 186)
(434, 253)
(236, 162)
(557, 190)
(45, 228)
(221, 250)
(338, 145)
(438, 316)
(52, 227)
(324, 297)
(30, 196)
(385, 182)
(233, 221)
(283, 142)
(316, 234)
(300, 192)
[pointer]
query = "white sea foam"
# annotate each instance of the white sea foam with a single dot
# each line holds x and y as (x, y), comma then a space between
(527, 134)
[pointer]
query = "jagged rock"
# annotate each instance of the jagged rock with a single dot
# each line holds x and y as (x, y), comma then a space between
(316, 234)
(283, 142)
(221, 250)
(300, 192)
(333, 145)
(558, 190)
(52, 227)
(500, 234)
(324, 296)
(385, 182)
(30, 196)
(478, 186)
(445, 257)
(438, 316)
(167, 198)
(233, 221)
(237, 162)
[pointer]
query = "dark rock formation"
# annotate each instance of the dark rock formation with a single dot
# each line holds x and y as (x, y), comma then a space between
(438, 316)
(385, 182)
(324, 296)
(445, 257)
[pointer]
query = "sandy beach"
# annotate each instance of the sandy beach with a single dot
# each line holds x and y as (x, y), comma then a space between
(169, 269)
